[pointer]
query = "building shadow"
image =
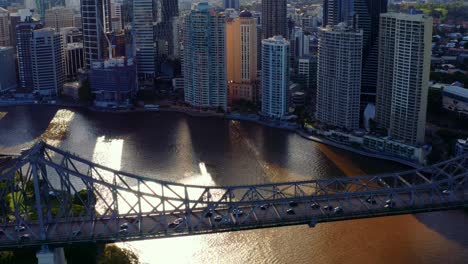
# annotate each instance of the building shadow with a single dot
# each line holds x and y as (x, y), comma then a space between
(22, 125)
(450, 224)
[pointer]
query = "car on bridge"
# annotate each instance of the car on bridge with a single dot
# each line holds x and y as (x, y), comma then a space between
(237, 212)
(315, 206)
(176, 223)
(389, 204)
(338, 210)
(371, 200)
(20, 228)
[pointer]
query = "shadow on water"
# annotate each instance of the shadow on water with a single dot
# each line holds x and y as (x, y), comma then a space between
(23, 124)
(455, 230)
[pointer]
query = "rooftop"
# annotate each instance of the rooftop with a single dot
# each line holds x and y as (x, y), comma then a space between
(455, 90)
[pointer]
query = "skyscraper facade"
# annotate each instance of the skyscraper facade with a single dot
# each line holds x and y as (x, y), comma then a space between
(72, 39)
(300, 43)
(360, 14)
(59, 17)
(403, 75)
(307, 72)
(165, 42)
(24, 34)
(7, 70)
(153, 21)
(96, 21)
(275, 77)
(144, 17)
(4, 27)
(47, 62)
(241, 48)
(231, 4)
(204, 60)
(274, 18)
(339, 76)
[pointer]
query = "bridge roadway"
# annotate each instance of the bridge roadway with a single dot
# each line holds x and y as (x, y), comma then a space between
(158, 225)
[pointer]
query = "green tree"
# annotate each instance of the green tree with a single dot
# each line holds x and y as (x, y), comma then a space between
(81, 197)
(115, 255)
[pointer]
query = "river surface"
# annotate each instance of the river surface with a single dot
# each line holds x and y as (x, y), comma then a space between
(214, 151)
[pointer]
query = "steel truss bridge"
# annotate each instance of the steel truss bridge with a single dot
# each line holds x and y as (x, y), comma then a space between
(50, 197)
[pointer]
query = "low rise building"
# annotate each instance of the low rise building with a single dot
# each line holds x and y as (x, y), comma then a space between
(455, 99)
(113, 81)
(71, 90)
(394, 148)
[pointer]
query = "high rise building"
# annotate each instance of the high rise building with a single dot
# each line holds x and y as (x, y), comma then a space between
(339, 76)
(77, 21)
(176, 36)
(165, 42)
(144, 17)
(73, 4)
(307, 72)
(275, 77)
(231, 4)
(300, 42)
(360, 14)
(8, 71)
(59, 17)
(47, 62)
(274, 19)
(71, 35)
(73, 50)
(116, 9)
(241, 47)
(22, 15)
(204, 59)
(40, 6)
(403, 75)
(116, 16)
(4, 27)
(15, 19)
(24, 34)
(96, 21)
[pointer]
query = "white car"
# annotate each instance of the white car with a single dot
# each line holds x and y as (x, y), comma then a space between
(20, 228)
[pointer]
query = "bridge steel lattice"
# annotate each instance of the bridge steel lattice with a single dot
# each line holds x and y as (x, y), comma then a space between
(52, 197)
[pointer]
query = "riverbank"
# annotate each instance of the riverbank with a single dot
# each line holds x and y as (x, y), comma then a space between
(293, 127)
(305, 135)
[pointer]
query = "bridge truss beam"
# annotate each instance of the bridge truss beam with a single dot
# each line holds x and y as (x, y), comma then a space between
(50, 196)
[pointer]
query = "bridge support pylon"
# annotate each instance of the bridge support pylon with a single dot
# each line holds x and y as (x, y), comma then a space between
(47, 256)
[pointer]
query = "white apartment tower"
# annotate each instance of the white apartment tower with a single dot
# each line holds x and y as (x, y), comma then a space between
(339, 76)
(47, 62)
(403, 75)
(275, 76)
(204, 59)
